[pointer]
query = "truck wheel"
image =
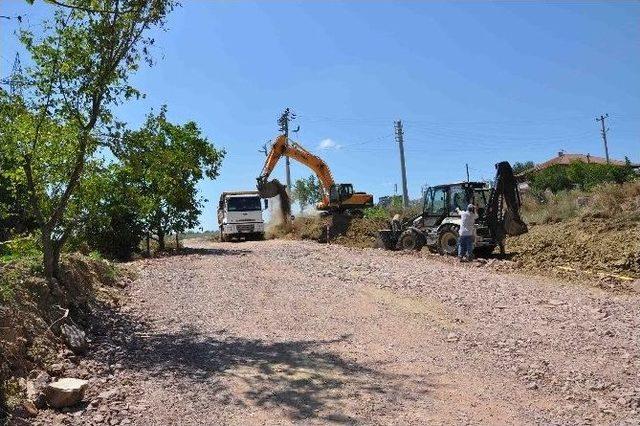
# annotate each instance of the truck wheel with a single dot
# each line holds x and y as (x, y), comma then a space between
(410, 240)
(448, 240)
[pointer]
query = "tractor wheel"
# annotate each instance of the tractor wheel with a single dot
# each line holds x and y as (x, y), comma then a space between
(222, 239)
(410, 240)
(448, 240)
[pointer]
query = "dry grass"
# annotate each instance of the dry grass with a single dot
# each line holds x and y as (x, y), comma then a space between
(608, 200)
(612, 199)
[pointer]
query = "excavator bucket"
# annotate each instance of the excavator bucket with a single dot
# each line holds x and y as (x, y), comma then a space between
(269, 189)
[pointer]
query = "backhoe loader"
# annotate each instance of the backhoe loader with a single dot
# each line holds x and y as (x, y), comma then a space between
(437, 226)
(336, 197)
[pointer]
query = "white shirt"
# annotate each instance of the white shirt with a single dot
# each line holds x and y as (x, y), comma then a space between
(467, 222)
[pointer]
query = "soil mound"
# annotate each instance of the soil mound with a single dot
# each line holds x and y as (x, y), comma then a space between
(588, 244)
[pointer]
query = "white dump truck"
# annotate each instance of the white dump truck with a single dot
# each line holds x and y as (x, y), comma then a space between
(240, 215)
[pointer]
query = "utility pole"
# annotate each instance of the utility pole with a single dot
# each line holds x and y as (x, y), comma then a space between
(400, 140)
(14, 80)
(283, 122)
(603, 132)
(467, 166)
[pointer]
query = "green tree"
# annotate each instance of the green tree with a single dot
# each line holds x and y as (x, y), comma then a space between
(80, 67)
(166, 162)
(519, 167)
(307, 191)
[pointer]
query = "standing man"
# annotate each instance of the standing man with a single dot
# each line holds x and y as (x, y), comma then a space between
(467, 233)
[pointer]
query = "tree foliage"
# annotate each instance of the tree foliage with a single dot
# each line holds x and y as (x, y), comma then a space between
(165, 163)
(519, 167)
(112, 213)
(307, 191)
(81, 63)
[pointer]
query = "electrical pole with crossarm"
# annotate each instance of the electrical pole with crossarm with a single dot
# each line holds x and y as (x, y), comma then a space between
(283, 122)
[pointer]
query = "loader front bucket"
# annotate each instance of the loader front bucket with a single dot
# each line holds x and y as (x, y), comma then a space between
(387, 239)
(269, 189)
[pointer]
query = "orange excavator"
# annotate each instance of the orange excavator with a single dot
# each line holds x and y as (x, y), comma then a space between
(336, 197)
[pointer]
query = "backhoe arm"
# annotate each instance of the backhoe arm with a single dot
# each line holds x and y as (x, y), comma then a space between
(503, 210)
(294, 150)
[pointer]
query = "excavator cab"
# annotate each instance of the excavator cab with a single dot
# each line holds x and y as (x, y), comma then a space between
(340, 192)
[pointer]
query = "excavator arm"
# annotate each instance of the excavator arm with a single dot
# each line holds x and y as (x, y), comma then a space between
(293, 150)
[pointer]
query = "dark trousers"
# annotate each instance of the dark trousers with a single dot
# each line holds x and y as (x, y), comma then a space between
(465, 246)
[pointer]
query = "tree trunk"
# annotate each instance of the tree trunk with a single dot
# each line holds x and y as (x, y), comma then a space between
(177, 242)
(49, 262)
(51, 256)
(148, 246)
(161, 246)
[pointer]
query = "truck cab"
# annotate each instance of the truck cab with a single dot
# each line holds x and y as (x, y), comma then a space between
(240, 215)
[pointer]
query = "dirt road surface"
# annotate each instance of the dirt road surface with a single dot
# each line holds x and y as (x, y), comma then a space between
(280, 332)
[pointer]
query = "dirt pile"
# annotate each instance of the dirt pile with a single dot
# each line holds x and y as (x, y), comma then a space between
(589, 244)
(336, 228)
(362, 233)
(593, 232)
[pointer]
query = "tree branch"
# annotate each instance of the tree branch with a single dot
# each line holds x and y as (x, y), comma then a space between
(86, 9)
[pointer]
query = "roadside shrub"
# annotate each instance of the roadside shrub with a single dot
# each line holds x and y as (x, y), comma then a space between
(554, 178)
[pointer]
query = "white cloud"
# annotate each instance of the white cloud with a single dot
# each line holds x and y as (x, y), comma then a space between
(329, 144)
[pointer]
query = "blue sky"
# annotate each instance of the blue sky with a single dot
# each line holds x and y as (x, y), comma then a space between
(473, 83)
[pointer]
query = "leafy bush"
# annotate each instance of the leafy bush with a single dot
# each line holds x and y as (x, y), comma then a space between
(580, 175)
(376, 212)
(117, 232)
(554, 178)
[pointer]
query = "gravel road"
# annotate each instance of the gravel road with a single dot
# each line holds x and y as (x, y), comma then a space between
(280, 332)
